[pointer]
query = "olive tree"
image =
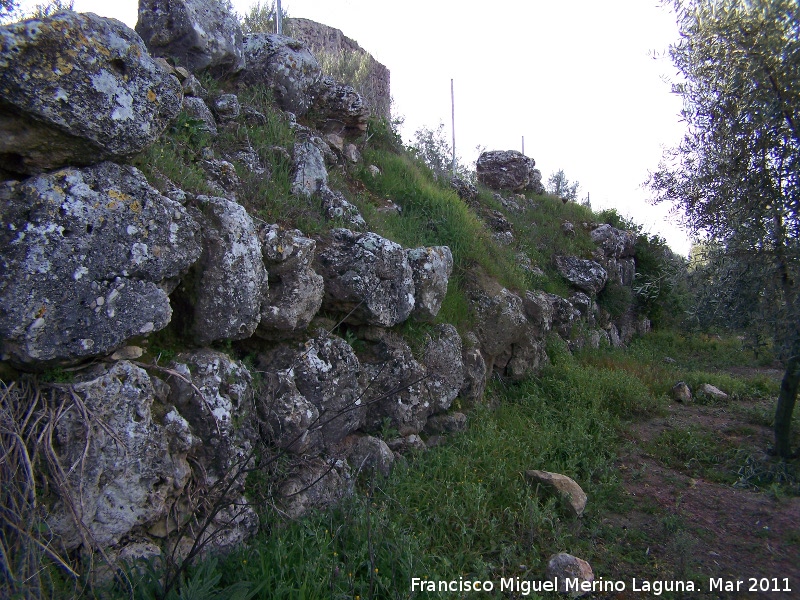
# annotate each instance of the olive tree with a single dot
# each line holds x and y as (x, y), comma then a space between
(736, 173)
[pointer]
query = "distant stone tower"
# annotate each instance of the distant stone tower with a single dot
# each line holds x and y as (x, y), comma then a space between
(324, 39)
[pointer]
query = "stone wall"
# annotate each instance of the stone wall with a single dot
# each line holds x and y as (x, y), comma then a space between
(322, 38)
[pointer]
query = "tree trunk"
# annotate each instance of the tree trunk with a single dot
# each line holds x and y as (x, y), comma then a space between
(786, 402)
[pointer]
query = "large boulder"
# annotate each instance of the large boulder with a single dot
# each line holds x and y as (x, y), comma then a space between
(500, 321)
(316, 484)
(615, 243)
(130, 466)
(339, 108)
(442, 357)
(367, 278)
(88, 257)
(431, 268)
(286, 66)
(288, 419)
(215, 395)
(586, 275)
(197, 34)
(396, 387)
(295, 290)
(78, 89)
(229, 281)
(327, 374)
(505, 170)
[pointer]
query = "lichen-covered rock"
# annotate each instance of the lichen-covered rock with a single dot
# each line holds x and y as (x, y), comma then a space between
(337, 208)
(528, 357)
(328, 374)
(371, 454)
(129, 467)
(286, 66)
(475, 374)
(215, 395)
(227, 107)
(500, 321)
(230, 278)
(222, 177)
(586, 275)
(615, 243)
(396, 387)
(316, 484)
(442, 357)
(431, 268)
(339, 108)
(196, 109)
(505, 170)
(78, 89)
(198, 34)
(447, 423)
(295, 290)
(464, 189)
(367, 278)
(291, 421)
(538, 307)
(310, 174)
(88, 256)
(535, 184)
(564, 315)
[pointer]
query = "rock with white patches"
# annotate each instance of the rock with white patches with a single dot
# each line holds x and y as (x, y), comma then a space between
(284, 65)
(367, 277)
(87, 255)
(229, 282)
(132, 469)
(78, 89)
(431, 268)
(198, 34)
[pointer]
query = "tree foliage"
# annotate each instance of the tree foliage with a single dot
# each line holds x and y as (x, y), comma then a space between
(261, 18)
(559, 185)
(435, 150)
(735, 175)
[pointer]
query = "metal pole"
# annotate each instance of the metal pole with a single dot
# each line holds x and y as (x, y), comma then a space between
(453, 107)
(523, 144)
(279, 19)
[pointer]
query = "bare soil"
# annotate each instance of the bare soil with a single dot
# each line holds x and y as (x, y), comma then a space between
(681, 526)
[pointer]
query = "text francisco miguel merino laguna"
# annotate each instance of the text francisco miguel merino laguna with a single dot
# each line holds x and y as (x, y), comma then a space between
(657, 587)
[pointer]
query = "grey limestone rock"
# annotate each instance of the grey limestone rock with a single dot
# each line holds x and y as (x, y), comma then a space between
(431, 268)
(615, 243)
(286, 66)
(337, 208)
(291, 421)
(227, 107)
(568, 571)
(371, 454)
(88, 258)
(230, 278)
(197, 34)
(475, 374)
(214, 393)
(78, 89)
(316, 483)
(442, 357)
(310, 175)
(367, 278)
(198, 110)
(505, 170)
(499, 315)
(295, 290)
(339, 108)
(586, 275)
(131, 469)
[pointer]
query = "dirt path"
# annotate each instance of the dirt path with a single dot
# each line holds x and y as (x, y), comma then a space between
(682, 526)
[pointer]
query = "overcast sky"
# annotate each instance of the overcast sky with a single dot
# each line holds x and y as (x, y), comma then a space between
(583, 81)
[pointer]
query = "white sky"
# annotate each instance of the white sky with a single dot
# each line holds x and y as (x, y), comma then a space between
(576, 78)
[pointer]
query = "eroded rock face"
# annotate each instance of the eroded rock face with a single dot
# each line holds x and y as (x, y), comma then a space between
(615, 243)
(442, 357)
(296, 291)
(286, 66)
(586, 275)
(222, 416)
(337, 208)
(371, 454)
(505, 170)
(327, 374)
(339, 108)
(78, 89)
(538, 307)
(291, 421)
(431, 268)
(88, 258)
(316, 484)
(500, 319)
(231, 280)
(569, 491)
(566, 570)
(396, 387)
(198, 110)
(310, 174)
(197, 34)
(475, 375)
(131, 469)
(367, 277)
